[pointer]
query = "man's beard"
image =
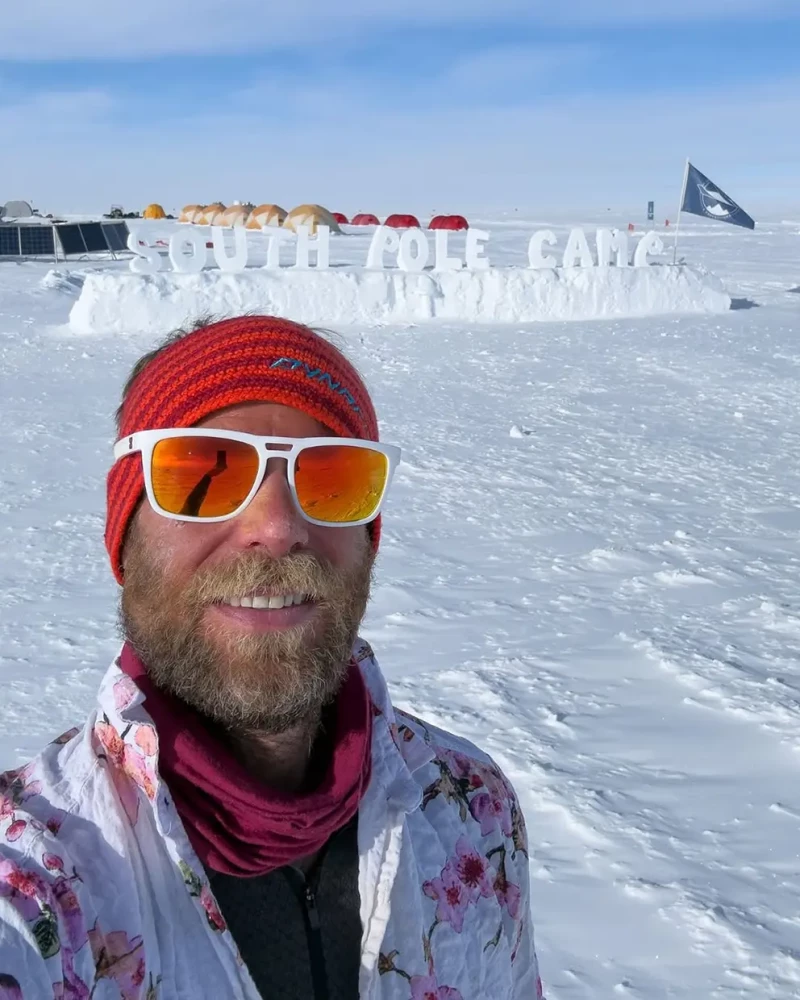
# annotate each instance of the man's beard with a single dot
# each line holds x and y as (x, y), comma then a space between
(266, 681)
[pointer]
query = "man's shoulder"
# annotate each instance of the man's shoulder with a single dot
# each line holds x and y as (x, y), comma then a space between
(441, 741)
(57, 863)
(456, 757)
(410, 731)
(36, 797)
(463, 777)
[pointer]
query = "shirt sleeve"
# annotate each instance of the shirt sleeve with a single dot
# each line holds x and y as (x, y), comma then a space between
(24, 973)
(527, 984)
(526, 981)
(44, 943)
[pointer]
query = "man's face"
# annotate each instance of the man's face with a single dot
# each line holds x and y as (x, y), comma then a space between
(247, 667)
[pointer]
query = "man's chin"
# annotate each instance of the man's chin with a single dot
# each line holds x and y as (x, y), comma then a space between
(272, 697)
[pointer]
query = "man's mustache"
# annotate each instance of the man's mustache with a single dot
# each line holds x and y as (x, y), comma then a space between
(253, 573)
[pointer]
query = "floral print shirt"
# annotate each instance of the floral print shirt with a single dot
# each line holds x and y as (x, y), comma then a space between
(103, 898)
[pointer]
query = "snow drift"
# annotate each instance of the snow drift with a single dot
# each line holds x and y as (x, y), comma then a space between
(131, 303)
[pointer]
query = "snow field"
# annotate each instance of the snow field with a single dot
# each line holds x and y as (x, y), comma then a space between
(589, 566)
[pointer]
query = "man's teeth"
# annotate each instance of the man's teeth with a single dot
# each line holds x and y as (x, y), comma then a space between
(261, 601)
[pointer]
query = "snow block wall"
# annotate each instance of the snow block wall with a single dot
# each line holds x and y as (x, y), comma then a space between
(131, 303)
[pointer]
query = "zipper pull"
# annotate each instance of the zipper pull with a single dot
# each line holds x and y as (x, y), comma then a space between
(311, 906)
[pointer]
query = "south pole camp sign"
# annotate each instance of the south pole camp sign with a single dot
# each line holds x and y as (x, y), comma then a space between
(409, 250)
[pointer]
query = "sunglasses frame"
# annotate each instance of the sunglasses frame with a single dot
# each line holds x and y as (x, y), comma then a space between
(143, 442)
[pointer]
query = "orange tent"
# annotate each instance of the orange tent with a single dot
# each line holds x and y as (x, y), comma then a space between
(154, 211)
(190, 213)
(311, 216)
(235, 215)
(266, 215)
(211, 215)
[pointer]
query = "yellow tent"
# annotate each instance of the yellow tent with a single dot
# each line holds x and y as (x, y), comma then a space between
(266, 215)
(311, 216)
(236, 215)
(211, 215)
(154, 212)
(190, 213)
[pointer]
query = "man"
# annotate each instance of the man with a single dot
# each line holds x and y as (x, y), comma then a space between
(245, 815)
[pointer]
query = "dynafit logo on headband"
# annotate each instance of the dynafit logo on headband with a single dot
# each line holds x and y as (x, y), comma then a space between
(319, 375)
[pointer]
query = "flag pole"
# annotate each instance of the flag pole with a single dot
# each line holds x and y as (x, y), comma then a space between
(680, 210)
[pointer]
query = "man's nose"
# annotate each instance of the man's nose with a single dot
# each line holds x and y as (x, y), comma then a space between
(272, 520)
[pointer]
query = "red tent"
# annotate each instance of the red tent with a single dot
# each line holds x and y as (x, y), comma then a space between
(448, 222)
(340, 218)
(402, 222)
(365, 219)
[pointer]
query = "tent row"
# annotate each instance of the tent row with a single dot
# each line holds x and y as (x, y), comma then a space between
(259, 216)
(262, 216)
(401, 221)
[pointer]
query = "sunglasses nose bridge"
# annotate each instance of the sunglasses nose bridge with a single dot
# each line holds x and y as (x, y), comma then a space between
(276, 459)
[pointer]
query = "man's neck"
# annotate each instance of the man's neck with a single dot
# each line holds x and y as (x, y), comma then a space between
(281, 760)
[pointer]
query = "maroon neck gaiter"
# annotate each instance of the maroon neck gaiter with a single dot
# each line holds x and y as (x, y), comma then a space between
(237, 824)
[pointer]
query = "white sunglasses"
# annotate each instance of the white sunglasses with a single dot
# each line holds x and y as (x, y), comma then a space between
(209, 475)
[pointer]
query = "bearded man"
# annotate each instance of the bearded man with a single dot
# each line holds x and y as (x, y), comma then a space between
(244, 814)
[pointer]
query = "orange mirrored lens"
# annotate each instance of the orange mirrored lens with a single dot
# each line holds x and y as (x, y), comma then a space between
(202, 476)
(339, 484)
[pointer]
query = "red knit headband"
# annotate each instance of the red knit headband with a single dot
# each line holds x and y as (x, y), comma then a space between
(249, 359)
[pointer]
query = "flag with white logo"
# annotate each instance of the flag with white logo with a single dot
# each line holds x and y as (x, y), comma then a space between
(702, 197)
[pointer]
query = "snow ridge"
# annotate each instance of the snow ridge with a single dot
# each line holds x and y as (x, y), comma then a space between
(117, 303)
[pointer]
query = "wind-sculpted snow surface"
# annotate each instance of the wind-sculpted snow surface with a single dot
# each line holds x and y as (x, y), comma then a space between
(589, 566)
(132, 303)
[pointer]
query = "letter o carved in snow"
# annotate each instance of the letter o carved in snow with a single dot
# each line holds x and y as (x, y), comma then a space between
(416, 261)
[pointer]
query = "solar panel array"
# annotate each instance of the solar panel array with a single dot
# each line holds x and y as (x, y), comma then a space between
(93, 237)
(116, 235)
(70, 239)
(9, 241)
(36, 241)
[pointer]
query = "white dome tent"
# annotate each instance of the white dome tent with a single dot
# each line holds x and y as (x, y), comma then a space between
(16, 210)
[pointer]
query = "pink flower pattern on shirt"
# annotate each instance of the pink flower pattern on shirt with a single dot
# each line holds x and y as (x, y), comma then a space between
(468, 876)
(209, 904)
(120, 959)
(492, 811)
(71, 987)
(16, 788)
(508, 894)
(427, 988)
(452, 896)
(473, 870)
(9, 988)
(134, 759)
(26, 890)
(125, 692)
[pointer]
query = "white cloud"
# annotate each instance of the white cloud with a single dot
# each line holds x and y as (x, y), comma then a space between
(48, 112)
(52, 29)
(351, 153)
(507, 75)
(512, 71)
(636, 11)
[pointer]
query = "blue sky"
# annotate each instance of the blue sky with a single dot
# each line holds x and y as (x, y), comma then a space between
(468, 104)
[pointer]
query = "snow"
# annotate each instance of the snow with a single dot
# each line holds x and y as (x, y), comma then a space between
(589, 566)
(131, 303)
